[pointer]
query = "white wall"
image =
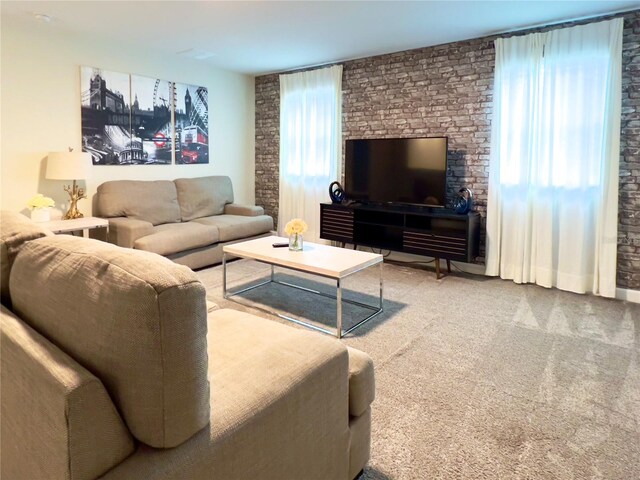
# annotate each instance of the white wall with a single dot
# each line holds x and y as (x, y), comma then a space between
(40, 98)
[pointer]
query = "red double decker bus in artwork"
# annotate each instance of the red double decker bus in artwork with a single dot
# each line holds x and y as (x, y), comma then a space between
(194, 145)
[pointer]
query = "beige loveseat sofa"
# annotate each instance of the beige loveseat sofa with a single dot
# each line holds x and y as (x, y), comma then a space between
(112, 368)
(188, 220)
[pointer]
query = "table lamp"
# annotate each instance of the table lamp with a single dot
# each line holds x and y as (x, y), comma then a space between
(70, 166)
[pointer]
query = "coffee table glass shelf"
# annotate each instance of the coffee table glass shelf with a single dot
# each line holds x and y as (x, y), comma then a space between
(322, 260)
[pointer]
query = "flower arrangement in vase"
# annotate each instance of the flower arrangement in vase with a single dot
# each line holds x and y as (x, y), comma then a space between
(40, 207)
(295, 228)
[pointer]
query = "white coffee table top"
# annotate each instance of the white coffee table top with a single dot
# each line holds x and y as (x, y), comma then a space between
(324, 260)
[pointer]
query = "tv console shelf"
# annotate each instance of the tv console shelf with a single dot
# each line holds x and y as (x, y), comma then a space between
(437, 233)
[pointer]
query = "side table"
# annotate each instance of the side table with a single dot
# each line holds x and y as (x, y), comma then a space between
(85, 224)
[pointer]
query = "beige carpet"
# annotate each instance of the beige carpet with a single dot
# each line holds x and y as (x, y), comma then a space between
(481, 378)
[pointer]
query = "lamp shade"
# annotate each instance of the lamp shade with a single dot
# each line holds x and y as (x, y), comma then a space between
(68, 166)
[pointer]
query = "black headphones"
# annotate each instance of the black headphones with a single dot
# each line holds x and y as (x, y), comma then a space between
(336, 192)
(463, 203)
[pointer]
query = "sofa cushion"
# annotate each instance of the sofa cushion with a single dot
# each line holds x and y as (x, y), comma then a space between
(362, 387)
(124, 231)
(279, 408)
(15, 230)
(245, 210)
(203, 196)
(57, 418)
(177, 237)
(233, 227)
(134, 319)
(153, 201)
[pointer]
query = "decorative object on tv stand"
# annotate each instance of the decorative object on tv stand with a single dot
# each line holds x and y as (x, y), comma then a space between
(295, 228)
(336, 192)
(40, 207)
(463, 203)
(70, 166)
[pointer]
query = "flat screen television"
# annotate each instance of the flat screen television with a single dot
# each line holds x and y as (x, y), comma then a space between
(410, 171)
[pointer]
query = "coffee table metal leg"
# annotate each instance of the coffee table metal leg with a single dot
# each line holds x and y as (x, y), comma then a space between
(224, 275)
(339, 332)
(339, 309)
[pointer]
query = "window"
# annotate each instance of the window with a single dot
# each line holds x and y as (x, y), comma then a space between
(552, 207)
(308, 127)
(310, 143)
(553, 117)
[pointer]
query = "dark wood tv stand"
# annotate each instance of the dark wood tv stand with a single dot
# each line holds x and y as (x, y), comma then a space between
(433, 232)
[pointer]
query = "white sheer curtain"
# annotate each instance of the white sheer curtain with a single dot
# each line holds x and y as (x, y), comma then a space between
(310, 144)
(553, 186)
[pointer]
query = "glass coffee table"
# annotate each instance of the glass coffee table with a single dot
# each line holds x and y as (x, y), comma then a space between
(321, 260)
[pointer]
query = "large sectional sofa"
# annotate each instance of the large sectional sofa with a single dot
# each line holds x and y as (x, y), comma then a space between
(187, 220)
(112, 367)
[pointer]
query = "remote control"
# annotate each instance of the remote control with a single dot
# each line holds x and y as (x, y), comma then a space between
(280, 245)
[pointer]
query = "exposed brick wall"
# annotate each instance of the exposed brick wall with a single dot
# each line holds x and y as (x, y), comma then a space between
(268, 143)
(629, 198)
(447, 90)
(437, 91)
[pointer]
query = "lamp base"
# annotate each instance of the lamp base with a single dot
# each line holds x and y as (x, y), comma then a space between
(75, 193)
(70, 215)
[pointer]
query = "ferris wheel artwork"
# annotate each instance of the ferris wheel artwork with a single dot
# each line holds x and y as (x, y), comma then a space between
(136, 120)
(151, 112)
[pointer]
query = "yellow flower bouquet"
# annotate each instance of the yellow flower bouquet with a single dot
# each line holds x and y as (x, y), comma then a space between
(295, 228)
(40, 201)
(39, 206)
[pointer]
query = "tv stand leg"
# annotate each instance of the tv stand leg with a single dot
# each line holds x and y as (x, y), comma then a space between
(449, 266)
(355, 247)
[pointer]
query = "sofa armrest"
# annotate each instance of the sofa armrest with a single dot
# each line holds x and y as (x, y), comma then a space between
(362, 385)
(56, 409)
(244, 210)
(124, 231)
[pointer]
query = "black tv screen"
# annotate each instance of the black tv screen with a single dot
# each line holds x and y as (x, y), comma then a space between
(397, 170)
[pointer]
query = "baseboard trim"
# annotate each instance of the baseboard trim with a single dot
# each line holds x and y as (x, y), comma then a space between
(628, 295)
(625, 294)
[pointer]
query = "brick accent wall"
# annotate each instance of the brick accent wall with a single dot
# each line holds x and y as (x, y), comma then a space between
(447, 90)
(629, 197)
(267, 143)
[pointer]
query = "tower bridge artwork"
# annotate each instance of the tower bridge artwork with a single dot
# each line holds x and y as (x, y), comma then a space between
(136, 120)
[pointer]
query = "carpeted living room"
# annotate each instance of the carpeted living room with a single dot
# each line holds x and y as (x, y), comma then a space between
(324, 240)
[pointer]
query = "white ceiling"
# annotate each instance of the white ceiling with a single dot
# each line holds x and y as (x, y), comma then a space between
(257, 37)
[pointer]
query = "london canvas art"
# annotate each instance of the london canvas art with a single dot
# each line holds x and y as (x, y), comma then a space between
(151, 124)
(106, 121)
(192, 124)
(136, 120)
